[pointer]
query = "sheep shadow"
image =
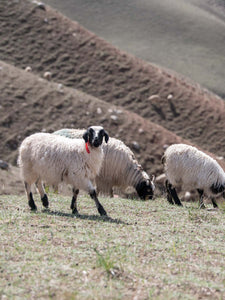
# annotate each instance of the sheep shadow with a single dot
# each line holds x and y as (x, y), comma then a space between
(84, 217)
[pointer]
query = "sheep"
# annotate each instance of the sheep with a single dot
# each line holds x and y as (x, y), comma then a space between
(54, 159)
(191, 169)
(119, 168)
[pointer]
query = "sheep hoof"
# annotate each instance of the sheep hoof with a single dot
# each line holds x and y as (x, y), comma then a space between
(32, 205)
(75, 211)
(202, 206)
(102, 211)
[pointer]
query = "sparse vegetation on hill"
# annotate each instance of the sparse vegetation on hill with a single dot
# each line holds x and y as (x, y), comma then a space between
(144, 250)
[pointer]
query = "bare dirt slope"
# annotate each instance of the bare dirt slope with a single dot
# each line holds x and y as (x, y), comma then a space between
(187, 36)
(48, 41)
(34, 104)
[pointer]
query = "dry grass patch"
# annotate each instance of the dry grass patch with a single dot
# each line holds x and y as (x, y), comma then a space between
(144, 250)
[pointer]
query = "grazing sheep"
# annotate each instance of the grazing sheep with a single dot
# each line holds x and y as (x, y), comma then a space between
(54, 159)
(187, 167)
(119, 168)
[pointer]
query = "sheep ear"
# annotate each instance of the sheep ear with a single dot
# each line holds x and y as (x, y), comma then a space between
(106, 137)
(86, 136)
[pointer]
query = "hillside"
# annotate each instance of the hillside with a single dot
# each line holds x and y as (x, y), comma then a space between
(187, 36)
(35, 104)
(47, 41)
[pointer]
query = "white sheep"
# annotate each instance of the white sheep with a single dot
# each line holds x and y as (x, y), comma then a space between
(54, 159)
(187, 167)
(119, 168)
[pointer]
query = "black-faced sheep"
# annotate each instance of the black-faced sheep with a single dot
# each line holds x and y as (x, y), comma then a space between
(119, 168)
(187, 167)
(54, 159)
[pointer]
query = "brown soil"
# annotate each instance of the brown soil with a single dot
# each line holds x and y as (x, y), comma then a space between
(80, 61)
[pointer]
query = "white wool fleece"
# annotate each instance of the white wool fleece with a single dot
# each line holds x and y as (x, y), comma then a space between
(56, 158)
(120, 167)
(187, 167)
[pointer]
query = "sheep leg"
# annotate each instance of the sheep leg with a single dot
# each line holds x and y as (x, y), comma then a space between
(214, 203)
(44, 197)
(169, 197)
(73, 205)
(201, 203)
(30, 196)
(97, 203)
(173, 194)
(175, 197)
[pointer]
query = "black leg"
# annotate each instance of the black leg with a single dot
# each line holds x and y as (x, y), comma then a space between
(73, 205)
(100, 208)
(169, 197)
(201, 203)
(44, 200)
(214, 203)
(31, 202)
(175, 197)
(44, 197)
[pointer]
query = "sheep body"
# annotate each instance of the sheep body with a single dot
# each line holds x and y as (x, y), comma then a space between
(40, 152)
(187, 167)
(54, 159)
(119, 168)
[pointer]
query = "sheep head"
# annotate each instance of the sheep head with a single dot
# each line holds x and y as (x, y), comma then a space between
(94, 136)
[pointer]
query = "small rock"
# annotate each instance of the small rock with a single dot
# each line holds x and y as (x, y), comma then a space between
(118, 111)
(48, 75)
(135, 146)
(28, 69)
(170, 97)
(60, 87)
(99, 110)
(187, 196)
(140, 130)
(154, 99)
(39, 4)
(114, 117)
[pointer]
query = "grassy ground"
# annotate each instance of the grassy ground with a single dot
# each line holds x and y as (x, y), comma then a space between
(144, 250)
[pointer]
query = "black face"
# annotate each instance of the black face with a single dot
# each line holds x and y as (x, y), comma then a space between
(217, 188)
(145, 190)
(95, 137)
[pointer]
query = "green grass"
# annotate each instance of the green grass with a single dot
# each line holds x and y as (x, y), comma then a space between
(144, 250)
